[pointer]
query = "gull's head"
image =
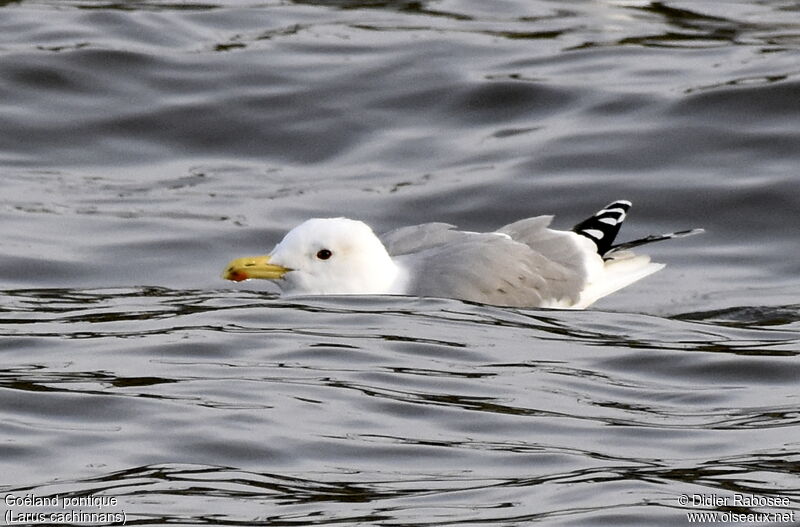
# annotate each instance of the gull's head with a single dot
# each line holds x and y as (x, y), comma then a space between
(324, 256)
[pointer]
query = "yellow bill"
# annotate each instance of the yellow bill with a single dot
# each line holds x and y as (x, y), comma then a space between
(253, 267)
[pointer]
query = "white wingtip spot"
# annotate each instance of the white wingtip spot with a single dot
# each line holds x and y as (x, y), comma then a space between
(593, 233)
(621, 212)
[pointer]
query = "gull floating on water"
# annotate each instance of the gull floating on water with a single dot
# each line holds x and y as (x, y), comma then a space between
(524, 264)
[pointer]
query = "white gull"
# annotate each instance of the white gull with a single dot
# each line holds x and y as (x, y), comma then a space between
(524, 264)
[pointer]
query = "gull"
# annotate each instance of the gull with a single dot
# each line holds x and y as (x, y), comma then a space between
(523, 264)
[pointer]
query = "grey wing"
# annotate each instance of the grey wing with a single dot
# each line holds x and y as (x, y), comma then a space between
(558, 246)
(491, 269)
(418, 238)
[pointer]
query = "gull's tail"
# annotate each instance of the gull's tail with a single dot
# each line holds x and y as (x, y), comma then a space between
(621, 268)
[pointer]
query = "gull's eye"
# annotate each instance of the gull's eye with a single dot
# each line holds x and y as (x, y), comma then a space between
(324, 254)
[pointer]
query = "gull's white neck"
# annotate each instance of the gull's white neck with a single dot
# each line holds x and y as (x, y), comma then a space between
(400, 279)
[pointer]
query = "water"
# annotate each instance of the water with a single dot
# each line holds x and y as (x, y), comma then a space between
(145, 144)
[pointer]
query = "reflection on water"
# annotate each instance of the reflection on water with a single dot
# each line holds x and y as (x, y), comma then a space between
(345, 407)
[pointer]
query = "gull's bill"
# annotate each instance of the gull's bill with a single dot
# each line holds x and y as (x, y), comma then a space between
(249, 267)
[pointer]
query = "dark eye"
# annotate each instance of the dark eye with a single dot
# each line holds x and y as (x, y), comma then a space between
(324, 254)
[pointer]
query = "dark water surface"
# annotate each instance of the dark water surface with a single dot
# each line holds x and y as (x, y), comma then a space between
(144, 144)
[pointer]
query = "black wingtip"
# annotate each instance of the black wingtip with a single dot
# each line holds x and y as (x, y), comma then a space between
(603, 226)
(651, 239)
